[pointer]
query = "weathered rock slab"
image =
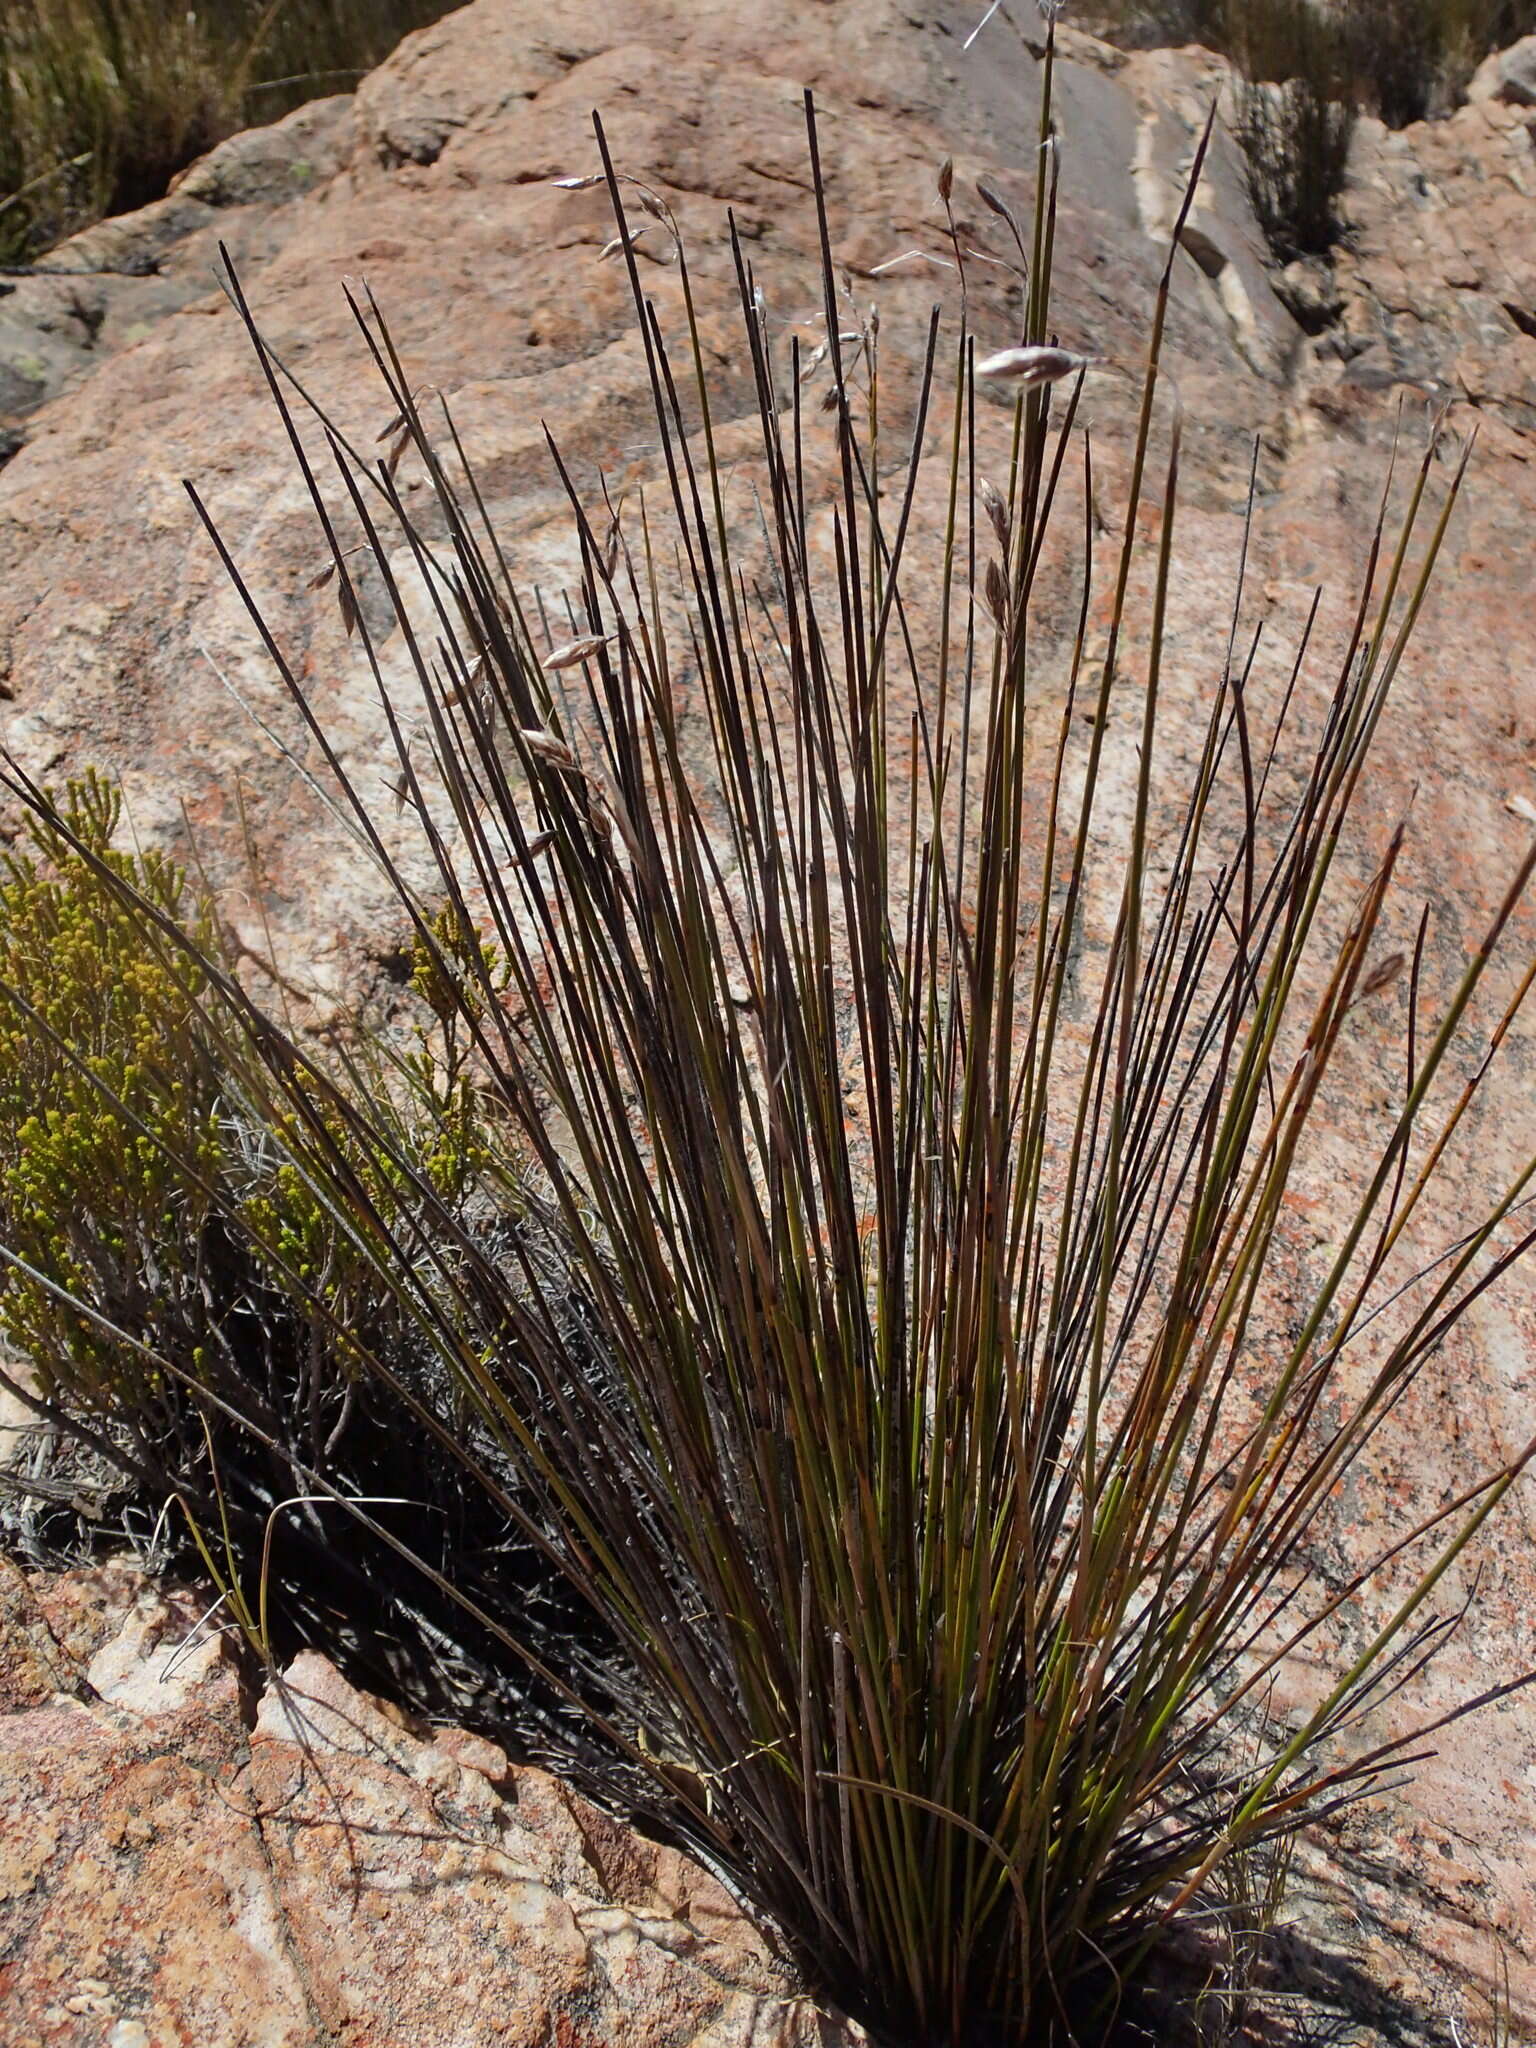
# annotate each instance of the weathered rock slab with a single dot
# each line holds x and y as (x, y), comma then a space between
(108, 287)
(177, 1870)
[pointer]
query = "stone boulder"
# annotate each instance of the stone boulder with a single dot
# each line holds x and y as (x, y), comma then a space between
(181, 1861)
(1513, 76)
(491, 280)
(110, 285)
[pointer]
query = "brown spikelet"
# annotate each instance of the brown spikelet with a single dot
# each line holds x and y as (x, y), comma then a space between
(1382, 975)
(612, 810)
(946, 179)
(397, 449)
(467, 691)
(544, 746)
(399, 784)
(540, 843)
(997, 512)
(992, 198)
(995, 592)
(399, 422)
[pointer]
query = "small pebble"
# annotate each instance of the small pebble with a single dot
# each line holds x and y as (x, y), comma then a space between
(90, 2002)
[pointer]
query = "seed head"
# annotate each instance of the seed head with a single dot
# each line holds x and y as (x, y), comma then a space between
(575, 651)
(994, 589)
(997, 512)
(991, 197)
(466, 692)
(400, 789)
(1029, 367)
(1382, 975)
(625, 240)
(545, 747)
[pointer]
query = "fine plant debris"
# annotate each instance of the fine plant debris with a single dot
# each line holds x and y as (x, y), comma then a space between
(830, 1222)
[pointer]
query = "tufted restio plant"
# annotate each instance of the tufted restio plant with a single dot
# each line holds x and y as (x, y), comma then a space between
(893, 1118)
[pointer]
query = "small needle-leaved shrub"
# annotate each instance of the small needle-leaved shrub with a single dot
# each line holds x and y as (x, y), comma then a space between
(178, 1298)
(109, 1109)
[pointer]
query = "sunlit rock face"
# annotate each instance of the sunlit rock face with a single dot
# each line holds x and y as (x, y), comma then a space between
(184, 1860)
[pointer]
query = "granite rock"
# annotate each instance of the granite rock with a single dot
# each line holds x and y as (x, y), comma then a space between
(184, 1860)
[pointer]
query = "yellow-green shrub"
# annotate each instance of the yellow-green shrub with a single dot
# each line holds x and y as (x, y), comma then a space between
(159, 1223)
(214, 1275)
(109, 1103)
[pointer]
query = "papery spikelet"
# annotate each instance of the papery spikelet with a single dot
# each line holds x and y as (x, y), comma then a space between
(544, 746)
(1029, 367)
(995, 591)
(575, 651)
(997, 512)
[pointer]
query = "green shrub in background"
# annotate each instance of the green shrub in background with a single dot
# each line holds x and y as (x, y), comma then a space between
(109, 1114)
(190, 1301)
(1412, 58)
(168, 1264)
(1406, 58)
(103, 101)
(1295, 120)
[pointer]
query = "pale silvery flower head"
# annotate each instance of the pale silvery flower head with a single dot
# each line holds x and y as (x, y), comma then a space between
(1028, 367)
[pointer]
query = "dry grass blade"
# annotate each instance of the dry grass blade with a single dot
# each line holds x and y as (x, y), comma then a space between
(103, 101)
